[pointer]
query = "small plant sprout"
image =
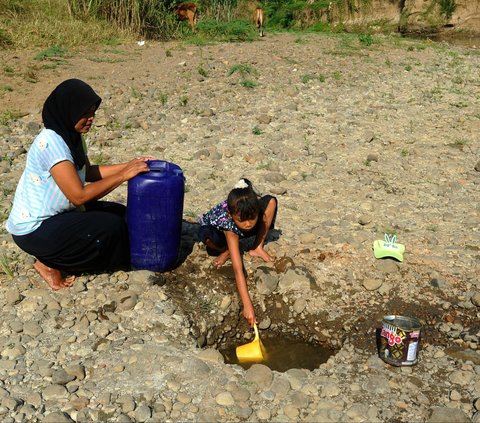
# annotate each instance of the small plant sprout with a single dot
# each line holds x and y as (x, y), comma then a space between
(202, 72)
(183, 100)
(366, 39)
(6, 266)
(257, 131)
(248, 83)
(163, 98)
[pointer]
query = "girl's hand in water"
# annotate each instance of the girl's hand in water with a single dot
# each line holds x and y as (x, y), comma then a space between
(249, 314)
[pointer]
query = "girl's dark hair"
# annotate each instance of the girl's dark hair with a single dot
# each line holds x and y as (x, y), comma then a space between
(244, 201)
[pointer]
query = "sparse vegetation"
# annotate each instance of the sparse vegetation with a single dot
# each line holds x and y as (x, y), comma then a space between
(257, 131)
(9, 115)
(8, 70)
(51, 53)
(202, 71)
(183, 100)
(243, 69)
(6, 266)
(365, 39)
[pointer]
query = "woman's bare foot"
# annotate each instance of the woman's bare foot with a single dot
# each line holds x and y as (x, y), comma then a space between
(221, 259)
(53, 277)
(260, 252)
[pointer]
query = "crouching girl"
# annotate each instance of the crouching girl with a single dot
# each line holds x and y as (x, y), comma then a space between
(243, 214)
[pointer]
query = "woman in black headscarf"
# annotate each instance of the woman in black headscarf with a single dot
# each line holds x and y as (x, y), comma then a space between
(56, 215)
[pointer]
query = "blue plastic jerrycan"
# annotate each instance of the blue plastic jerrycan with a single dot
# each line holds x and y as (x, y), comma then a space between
(154, 216)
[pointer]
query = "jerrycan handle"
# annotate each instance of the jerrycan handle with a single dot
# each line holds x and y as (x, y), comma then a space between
(157, 165)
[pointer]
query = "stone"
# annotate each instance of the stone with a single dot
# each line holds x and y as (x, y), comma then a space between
(224, 399)
(61, 377)
(266, 280)
(293, 280)
(211, 355)
(143, 413)
(260, 375)
(476, 299)
(446, 414)
(372, 284)
(58, 417)
(54, 392)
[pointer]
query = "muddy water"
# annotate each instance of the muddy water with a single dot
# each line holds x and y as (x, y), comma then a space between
(285, 353)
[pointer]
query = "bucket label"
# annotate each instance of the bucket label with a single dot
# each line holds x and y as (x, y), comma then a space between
(390, 332)
(399, 346)
(412, 351)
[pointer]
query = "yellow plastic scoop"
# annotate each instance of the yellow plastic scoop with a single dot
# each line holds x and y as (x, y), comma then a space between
(253, 351)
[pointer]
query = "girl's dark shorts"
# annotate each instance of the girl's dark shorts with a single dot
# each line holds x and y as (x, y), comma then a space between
(217, 236)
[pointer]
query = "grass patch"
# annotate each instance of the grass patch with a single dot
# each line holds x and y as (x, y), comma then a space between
(248, 83)
(233, 31)
(6, 88)
(365, 39)
(10, 115)
(97, 59)
(8, 70)
(243, 69)
(43, 23)
(6, 266)
(257, 131)
(52, 52)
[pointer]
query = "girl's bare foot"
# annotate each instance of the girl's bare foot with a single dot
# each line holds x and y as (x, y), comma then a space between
(53, 277)
(260, 252)
(221, 259)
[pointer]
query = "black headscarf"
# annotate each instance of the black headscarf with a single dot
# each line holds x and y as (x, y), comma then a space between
(63, 109)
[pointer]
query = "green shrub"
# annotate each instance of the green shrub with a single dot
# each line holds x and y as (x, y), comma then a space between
(235, 30)
(54, 51)
(366, 39)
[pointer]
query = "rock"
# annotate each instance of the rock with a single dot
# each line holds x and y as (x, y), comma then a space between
(364, 219)
(284, 263)
(461, 377)
(293, 280)
(12, 296)
(476, 299)
(32, 329)
(143, 413)
(224, 399)
(372, 284)
(387, 265)
(260, 375)
(54, 392)
(211, 355)
(307, 238)
(266, 280)
(446, 414)
(61, 377)
(57, 417)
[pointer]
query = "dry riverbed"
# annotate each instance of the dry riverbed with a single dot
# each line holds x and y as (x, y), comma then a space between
(355, 140)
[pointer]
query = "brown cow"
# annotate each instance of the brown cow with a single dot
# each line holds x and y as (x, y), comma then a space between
(258, 20)
(187, 12)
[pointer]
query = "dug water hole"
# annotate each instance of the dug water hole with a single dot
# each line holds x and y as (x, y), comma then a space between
(284, 353)
(209, 299)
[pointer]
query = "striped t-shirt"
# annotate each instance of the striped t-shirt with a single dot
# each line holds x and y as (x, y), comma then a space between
(38, 197)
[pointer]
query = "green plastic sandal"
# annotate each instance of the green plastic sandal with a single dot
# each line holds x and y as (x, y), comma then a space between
(388, 248)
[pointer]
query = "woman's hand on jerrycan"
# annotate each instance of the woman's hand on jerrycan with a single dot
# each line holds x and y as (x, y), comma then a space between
(134, 167)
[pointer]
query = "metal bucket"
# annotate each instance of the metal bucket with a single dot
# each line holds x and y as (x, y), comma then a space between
(399, 340)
